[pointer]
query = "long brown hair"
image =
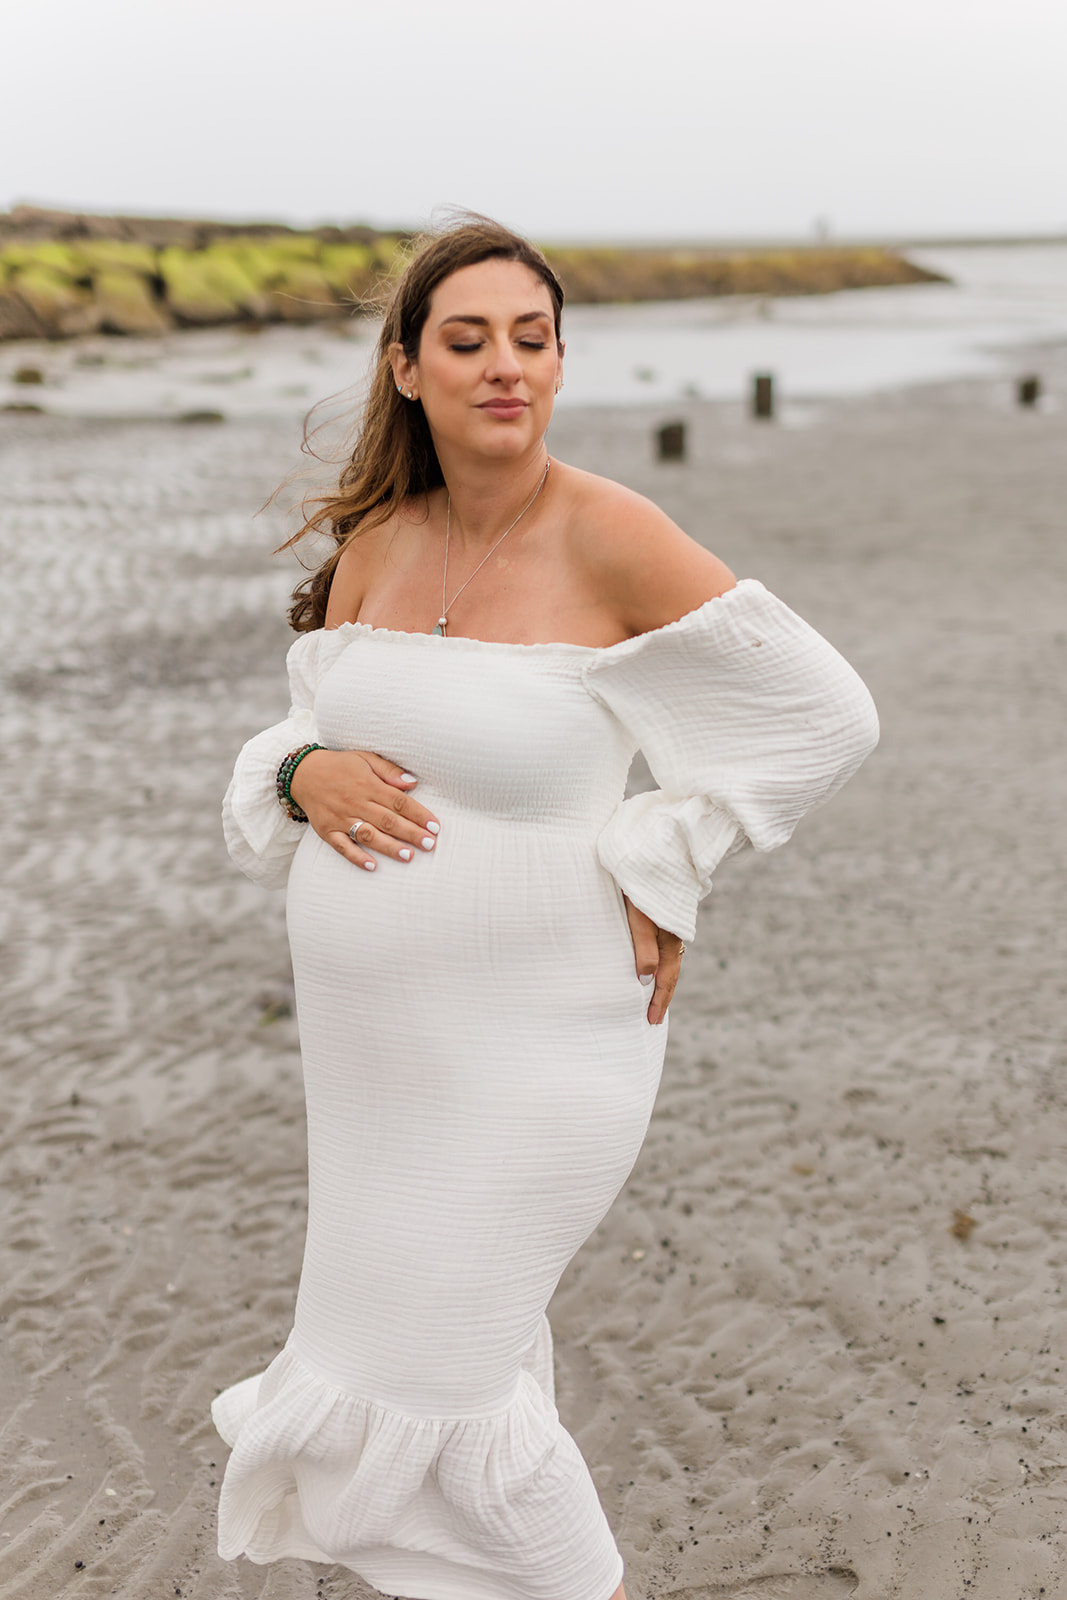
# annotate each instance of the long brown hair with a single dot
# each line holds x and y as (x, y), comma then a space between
(394, 456)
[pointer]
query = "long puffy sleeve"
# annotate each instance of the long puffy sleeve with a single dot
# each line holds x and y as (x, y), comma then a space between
(260, 837)
(748, 718)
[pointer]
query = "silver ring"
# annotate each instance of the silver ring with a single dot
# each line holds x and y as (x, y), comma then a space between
(354, 829)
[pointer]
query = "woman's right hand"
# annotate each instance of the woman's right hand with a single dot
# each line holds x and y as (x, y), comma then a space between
(338, 788)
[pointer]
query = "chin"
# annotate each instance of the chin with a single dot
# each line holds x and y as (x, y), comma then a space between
(508, 439)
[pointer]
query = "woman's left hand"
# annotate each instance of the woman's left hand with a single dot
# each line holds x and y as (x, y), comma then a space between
(658, 958)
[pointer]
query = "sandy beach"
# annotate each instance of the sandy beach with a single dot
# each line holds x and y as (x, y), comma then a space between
(818, 1348)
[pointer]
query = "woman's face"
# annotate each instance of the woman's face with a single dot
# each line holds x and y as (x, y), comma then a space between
(488, 367)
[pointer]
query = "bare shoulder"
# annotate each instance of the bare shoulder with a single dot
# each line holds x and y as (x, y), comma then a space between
(360, 559)
(647, 568)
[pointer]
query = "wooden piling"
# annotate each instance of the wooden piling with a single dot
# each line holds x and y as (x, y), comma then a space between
(763, 395)
(670, 441)
(1028, 390)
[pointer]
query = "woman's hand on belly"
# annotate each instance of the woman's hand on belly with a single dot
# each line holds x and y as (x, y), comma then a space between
(342, 788)
(657, 956)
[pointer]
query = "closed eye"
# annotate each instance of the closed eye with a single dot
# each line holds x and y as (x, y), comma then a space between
(525, 344)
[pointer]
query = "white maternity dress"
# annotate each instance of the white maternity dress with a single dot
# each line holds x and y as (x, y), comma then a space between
(479, 1070)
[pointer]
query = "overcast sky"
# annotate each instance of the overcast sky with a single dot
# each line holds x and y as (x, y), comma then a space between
(567, 118)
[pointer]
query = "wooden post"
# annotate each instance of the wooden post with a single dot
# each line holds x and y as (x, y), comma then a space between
(1028, 390)
(670, 441)
(763, 395)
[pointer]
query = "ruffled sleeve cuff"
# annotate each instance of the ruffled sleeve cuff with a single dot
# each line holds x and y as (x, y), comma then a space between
(662, 856)
(260, 837)
(748, 718)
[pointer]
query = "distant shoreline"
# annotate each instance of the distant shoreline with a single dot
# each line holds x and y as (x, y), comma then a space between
(65, 274)
(793, 241)
(25, 221)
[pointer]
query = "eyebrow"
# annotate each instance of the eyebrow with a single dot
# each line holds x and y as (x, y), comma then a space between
(483, 322)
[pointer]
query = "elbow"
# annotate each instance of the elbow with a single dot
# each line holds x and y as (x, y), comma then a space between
(855, 737)
(854, 731)
(869, 729)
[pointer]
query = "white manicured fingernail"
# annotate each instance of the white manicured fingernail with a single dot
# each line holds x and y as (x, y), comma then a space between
(405, 855)
(647, 978)
(433, 827)
(408, 777)
(428, 844)
(369, 866)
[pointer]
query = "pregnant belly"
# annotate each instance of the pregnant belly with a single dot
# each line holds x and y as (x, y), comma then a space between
(479, 1077)
(496, 914)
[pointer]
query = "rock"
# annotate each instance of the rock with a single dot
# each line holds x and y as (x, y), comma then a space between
(224, 267)
(102, 254)
(294, 247)
(61, 306)
(598, 274)
(14, 256)
(303, 294)
(28, 375)
(199, 292)
(38, 222)
(126, 304)
(18, 320)
(266, 266)
(349, 270)
(81, 273)
(61, 258)
(291, 284)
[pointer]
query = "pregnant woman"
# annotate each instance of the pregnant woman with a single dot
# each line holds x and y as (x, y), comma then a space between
(485, 935)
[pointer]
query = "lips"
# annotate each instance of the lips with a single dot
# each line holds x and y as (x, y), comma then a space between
(503, 408)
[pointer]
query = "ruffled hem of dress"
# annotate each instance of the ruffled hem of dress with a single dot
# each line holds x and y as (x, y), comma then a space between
(320, 1474)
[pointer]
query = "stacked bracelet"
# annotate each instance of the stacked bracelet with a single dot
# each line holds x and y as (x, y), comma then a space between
(285, 777)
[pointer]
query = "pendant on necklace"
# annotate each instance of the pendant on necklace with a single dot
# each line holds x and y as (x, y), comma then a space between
(442, 624)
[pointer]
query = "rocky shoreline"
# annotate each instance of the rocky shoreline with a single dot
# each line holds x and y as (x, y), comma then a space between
(65, 274)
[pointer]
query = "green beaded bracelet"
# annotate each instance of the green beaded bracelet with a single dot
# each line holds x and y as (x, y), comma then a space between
(285, 777)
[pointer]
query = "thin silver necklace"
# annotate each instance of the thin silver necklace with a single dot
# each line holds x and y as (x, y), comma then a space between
(442, 621)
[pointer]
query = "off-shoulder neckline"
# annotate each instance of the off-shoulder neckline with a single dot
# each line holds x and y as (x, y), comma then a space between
(591, 651)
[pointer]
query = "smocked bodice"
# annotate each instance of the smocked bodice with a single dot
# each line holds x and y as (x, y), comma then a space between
(511, 733)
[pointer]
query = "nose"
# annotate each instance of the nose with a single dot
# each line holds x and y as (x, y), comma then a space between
(503, 365)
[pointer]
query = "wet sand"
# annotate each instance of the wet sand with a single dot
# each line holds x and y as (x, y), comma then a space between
(819, 1346)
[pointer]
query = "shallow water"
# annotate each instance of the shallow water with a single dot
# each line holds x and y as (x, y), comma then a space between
(820, 346)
